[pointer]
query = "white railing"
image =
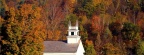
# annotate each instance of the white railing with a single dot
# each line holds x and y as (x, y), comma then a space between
(73, 27)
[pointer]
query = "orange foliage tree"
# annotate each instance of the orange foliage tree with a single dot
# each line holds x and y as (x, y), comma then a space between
(96, 25)
(23, 31)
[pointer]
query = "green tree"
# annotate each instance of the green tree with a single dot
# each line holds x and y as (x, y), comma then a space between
(71, 17)
(89, 48)
(88, 8)
(130, 31)
(83, 33)
(140, 48)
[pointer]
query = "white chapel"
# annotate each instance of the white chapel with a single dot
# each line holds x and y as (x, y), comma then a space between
(73, 45)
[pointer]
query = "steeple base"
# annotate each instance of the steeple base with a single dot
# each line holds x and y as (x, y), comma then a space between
(73, 39)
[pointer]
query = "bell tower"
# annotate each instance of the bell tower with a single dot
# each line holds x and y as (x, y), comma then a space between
(73, 33)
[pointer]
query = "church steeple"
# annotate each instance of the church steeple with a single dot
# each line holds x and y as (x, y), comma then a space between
(73, 33)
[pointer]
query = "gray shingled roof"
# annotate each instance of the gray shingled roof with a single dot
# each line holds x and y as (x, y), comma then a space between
(60, 47)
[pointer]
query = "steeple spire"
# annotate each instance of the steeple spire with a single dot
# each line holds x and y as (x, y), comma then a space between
(73, 33)
(69, 23)
(76, 22)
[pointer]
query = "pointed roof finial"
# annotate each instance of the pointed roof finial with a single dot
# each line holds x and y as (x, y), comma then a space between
(76, 22)
(69, 23)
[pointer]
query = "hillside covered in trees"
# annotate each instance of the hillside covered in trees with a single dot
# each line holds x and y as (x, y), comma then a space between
(107, 27)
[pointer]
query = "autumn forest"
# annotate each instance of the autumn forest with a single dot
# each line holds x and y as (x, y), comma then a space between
(107, 27)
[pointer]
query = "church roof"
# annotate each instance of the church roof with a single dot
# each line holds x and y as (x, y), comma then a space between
(60, 47)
